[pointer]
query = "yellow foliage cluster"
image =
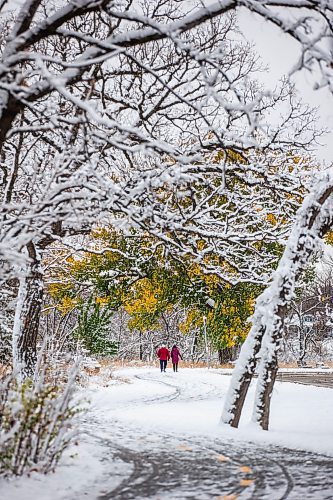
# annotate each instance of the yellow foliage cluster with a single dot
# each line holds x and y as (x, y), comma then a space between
(142, 301)
(211, 280)
(194, 319)
(58, 289)
(271, 218)
(236, 331)
(230, 156)
(145, 298)
(102, 301)
(228, 322)
(101, 233)
(67, 304)
(329, 238)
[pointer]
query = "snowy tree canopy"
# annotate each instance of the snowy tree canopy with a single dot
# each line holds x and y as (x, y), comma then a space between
(104, 104)
(148, 115)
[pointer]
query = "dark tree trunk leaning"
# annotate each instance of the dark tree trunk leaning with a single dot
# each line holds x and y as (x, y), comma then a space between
(233, 410)
(313, 220)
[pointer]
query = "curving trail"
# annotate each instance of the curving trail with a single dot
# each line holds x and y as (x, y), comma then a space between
(160, 464)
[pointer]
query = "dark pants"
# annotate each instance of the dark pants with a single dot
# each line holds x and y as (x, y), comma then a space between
(163, 363)
(175, 367)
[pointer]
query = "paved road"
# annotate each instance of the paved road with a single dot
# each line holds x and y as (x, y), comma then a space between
(317, 378)
(167, 466)
(203, 469)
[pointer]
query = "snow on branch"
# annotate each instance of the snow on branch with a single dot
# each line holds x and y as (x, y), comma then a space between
(313, 220)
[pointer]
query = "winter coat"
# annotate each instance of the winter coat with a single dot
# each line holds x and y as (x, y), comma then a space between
(175, 355)
(163, 353)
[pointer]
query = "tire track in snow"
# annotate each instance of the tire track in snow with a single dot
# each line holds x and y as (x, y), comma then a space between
(195, 472)
(192, 470)
(215, 391)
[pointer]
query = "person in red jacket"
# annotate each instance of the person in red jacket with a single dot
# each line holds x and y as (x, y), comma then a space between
(164, 356)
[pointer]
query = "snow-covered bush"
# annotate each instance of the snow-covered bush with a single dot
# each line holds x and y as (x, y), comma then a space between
(36, 420)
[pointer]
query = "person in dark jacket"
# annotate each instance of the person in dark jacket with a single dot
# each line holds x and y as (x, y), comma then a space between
(175, 355)
(164, 356)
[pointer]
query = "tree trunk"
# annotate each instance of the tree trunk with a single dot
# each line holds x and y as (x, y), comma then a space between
(10, 110)
(241, 378)
(28, 316)
(266, 380)
(225, 355)
(140, 346)
(313, 220)
(194, 345)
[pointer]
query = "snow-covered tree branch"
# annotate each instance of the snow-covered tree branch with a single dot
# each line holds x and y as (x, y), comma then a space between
(313, 220)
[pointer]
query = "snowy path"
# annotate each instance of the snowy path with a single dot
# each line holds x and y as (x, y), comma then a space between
(312, 377)
(208, 468)
(173, 449)
(158, 437)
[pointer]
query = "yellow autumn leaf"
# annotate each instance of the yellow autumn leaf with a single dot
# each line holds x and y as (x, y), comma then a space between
(235, 157)
(329, 238)
(227, 497)
(183, 447)
(271, 219)
(222, 458)
(67, 304)
(246, 469)
(102, 301)
(246, 482)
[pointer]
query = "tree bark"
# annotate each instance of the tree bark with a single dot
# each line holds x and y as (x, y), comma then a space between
(267, 380)
(194, 346)
(28, 316)
(140, 346)
(225, 355)
(241, 379)
(313, 220)
(10, 111)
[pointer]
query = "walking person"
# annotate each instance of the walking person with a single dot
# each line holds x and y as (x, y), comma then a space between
(175, 355)
(164, 356)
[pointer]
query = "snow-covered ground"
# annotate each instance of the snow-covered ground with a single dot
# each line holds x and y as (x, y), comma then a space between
(141, 405)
